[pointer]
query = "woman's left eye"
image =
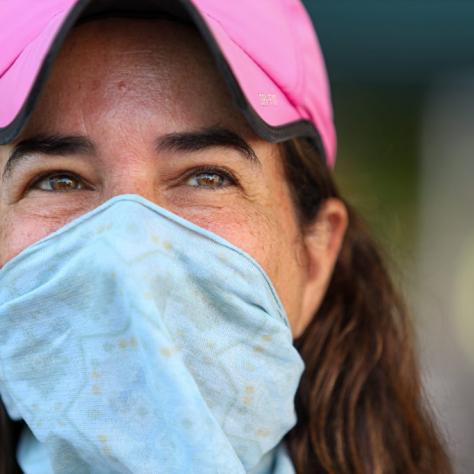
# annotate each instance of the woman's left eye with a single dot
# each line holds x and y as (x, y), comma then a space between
(210, 180)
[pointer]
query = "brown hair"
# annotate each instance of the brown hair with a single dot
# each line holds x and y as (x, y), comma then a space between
(9, 432)
(360, 403)
(360, 406)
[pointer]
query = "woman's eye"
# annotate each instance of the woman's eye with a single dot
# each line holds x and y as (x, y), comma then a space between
(210, 180)
(59, 182)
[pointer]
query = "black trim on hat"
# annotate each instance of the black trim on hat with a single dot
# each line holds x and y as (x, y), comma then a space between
(184, 10)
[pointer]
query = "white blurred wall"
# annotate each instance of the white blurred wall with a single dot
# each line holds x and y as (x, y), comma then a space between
(443, 295)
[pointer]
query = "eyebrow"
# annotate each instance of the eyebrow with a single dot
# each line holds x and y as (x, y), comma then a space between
(193, 141)
(207, 138)
(53, 145)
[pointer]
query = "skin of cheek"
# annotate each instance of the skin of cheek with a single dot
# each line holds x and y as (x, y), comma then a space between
(17, 234)
(22, 225)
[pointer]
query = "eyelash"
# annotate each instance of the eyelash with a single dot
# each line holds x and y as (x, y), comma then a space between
(223, 172)
(220, 171)
(47, 174)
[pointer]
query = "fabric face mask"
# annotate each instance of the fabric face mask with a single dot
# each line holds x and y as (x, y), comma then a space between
(133, 341)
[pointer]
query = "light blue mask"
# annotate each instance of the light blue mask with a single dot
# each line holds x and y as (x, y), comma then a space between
(133, 341)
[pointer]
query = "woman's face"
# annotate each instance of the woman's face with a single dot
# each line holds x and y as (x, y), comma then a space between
(136, 106)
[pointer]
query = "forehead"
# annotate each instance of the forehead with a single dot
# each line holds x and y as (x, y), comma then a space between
(157, 67)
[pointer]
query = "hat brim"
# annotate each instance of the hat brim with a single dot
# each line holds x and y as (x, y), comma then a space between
(266, 109)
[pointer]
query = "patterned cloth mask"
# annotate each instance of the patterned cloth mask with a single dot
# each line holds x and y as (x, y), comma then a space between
(133, 341)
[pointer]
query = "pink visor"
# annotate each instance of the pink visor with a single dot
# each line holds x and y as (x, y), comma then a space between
(266, 50)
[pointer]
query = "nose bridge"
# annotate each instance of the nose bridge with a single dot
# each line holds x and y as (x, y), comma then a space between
(131, 173)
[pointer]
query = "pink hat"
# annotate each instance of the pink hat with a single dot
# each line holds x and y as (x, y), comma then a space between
(266, 50)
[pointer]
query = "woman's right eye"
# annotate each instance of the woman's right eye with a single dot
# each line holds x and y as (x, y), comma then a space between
(59, 182)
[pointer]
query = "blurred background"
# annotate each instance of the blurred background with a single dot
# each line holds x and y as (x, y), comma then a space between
(402, 75)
